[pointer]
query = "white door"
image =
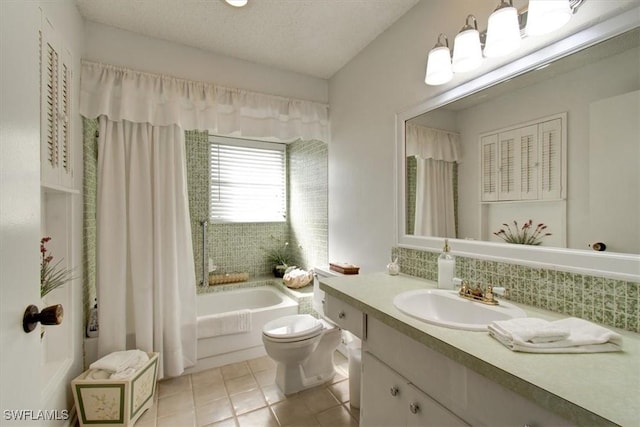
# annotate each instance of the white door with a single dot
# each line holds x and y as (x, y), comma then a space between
(20, 357)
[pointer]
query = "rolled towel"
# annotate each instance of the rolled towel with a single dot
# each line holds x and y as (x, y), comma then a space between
(531, 329)
(584, 337)
(118, 361)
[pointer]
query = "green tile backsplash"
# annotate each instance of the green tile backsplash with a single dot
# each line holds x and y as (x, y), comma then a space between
(602, 300)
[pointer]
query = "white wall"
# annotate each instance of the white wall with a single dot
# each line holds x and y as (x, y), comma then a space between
(384, 79)
(69, 25)
(119, 47)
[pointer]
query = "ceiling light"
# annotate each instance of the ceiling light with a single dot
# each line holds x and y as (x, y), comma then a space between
(237, 3)
(439, 64)
(467, 53)
(503, 31)
(546, 16)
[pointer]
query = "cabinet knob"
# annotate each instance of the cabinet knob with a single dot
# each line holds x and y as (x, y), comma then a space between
(394, 391)
(414, 407)
(341, 315)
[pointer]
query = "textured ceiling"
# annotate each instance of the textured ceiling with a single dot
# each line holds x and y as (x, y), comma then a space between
(313, 37)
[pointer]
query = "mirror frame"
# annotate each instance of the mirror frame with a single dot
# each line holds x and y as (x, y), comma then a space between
(613, 265)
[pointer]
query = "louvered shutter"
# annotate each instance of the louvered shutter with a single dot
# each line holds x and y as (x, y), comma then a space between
(528, 152)
(489, 165)
(551, 159)
(55, 94)
(508, 166)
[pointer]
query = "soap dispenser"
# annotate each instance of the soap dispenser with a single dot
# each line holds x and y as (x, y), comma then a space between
(446, 267)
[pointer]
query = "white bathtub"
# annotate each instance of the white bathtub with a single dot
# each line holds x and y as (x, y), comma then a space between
(266, 303)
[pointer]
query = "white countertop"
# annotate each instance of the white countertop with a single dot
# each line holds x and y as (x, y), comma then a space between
(588, 389)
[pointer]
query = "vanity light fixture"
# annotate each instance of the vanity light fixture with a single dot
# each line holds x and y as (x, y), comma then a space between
(467, 52)
(237, 3)
(439, 63)
(503, 31)
(545, 16)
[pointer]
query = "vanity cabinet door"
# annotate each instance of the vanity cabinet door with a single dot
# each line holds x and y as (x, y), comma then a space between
(388, 399)
(383, 390)
(424, 411)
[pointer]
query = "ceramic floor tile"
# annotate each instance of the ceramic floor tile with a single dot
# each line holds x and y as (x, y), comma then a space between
(175, 403)
(240, 384)
(206, 378)
(340, 390)
(216, 410)
(272, 394)
(292, 411)
(235, 370)
(149, 415)
(336, 417)
(319, 399)
(229, 422)
(182, 419)
(174, 385)
(262, 418)
(265, 378)
(261, 364)
(355, 412)
(248, 401)
(204, 395)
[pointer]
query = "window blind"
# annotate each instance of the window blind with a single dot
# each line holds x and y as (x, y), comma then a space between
(248, 181)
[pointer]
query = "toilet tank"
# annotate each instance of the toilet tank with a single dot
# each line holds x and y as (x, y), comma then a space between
(318, 295)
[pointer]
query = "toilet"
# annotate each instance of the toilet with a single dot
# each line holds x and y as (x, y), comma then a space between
(302, 347)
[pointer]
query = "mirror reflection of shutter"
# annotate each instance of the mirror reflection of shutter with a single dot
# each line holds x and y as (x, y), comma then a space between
(550, 159)
(509, 167)
(528, 163)
(489, 162)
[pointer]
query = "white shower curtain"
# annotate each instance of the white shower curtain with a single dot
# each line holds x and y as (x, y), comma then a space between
(144, 241)
(436, 153)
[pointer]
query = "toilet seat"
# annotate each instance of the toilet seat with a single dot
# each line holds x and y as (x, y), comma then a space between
(297, 327)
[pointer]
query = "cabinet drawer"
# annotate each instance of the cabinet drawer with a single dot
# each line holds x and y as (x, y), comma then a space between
(344, 315)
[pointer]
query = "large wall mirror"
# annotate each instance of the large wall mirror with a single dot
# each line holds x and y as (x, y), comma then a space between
(552, 139)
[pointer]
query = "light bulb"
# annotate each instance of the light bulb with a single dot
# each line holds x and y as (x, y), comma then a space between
(438, 66)
(467, 53)
(546, 16)
(503, 31)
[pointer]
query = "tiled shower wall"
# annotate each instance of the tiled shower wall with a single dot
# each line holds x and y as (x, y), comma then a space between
(90, 193)
(602, 300)
(242, 247)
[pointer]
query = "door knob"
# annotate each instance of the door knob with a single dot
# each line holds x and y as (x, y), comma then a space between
(51, 315)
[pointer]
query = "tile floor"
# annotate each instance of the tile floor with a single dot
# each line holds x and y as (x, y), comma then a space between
(244, 394)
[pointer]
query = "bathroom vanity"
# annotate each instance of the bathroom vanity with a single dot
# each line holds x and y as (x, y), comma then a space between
(416, 373)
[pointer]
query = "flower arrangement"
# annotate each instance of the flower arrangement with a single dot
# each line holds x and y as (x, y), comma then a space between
(52, 276)
(525, 235)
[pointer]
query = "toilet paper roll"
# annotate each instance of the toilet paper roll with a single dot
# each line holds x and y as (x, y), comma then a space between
(598, 246)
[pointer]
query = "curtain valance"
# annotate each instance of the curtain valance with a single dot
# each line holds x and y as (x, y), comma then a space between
(429, 143)
(124, 94)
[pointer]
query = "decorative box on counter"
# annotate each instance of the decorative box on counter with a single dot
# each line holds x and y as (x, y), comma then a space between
(344, 268)
(108, 402)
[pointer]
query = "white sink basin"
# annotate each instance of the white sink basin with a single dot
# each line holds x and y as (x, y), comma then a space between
(445, 308)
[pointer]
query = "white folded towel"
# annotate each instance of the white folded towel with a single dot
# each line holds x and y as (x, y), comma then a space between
(119, 361)
(584, 337)
(530, 329)
(232, 322)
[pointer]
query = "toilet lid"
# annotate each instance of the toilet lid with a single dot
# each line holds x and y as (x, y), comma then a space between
(292, 327)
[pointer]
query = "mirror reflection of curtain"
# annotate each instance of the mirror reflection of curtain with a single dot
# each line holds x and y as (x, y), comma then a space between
(436, 153)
